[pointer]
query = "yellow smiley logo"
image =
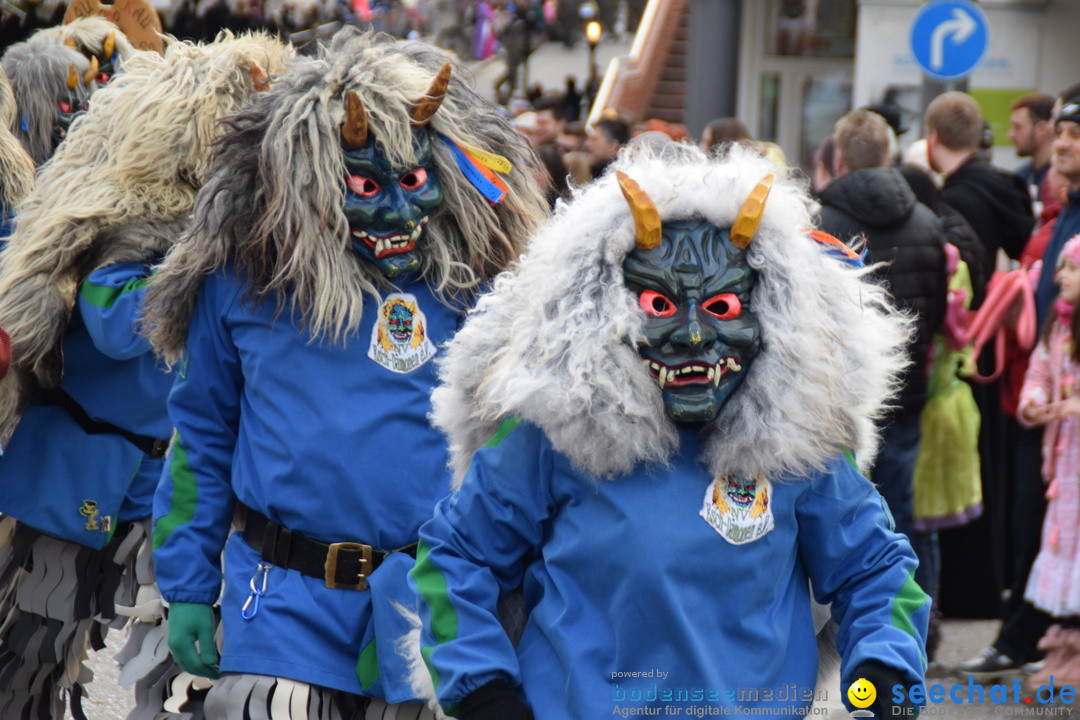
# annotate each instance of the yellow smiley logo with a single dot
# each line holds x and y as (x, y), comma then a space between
(862, 693)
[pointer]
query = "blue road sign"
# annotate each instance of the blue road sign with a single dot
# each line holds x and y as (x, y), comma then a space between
(949, 37)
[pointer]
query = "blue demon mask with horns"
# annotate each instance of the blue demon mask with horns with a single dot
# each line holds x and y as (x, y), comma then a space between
(693, 283)
(387, 207)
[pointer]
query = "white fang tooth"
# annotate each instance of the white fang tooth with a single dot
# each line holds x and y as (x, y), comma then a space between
(381, 246)
(712, 373)
(719, 370)
(663, 377)
(733, 365)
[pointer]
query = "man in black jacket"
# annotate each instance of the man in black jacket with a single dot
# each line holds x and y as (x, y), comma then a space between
(994, 201)
(871, 200)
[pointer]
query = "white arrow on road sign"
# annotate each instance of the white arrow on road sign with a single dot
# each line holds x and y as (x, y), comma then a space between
(960, 28)
(949, 37)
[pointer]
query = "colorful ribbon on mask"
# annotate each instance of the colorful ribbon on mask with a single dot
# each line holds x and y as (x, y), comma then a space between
(837, 249)
(479, 169)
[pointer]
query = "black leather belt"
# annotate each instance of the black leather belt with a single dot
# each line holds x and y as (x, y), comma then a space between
(340, 565)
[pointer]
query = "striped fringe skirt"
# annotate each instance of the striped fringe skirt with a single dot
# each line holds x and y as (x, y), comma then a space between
(58, 599)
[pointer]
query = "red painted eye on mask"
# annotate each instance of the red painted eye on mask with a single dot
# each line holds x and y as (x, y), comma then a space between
(724, 306)
(414, 180)
(64, 107)
(102, 78)
(655, 305)
(365, 187)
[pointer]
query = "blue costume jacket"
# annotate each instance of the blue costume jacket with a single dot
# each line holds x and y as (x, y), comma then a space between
(331, 441)
(658, 588)
(54, 476)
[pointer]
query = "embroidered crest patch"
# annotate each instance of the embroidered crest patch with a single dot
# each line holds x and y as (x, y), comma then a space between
(399, 340)
(740, 509)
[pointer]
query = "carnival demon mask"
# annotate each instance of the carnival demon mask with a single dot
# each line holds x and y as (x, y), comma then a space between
(72, 103)
(103, 63)
(693, 283)
(387, 207)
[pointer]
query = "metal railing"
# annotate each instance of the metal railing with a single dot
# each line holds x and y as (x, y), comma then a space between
(630, 81)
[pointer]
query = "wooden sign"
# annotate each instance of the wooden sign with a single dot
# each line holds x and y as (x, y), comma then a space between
(137, 19)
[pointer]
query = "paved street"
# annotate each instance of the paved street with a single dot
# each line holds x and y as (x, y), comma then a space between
(107, 701)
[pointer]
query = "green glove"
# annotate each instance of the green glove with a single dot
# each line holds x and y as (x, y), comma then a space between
(191, 638)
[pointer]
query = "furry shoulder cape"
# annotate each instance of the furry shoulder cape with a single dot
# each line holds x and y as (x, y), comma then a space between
(16, 165)
(119, 188)
(555, 340)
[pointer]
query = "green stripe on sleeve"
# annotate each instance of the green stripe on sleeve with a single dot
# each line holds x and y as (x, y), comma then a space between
(505, 428)
(184, 498)
(431, 584)
(906, 603)
(106, 297)
(367, 667)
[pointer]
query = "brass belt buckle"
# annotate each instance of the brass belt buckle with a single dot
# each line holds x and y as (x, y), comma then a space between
(330, 567)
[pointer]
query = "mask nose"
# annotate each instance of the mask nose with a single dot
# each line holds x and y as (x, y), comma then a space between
(694, 334)
(401, 211)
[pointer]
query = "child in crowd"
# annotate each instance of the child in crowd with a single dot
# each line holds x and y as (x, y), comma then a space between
(1049, 397)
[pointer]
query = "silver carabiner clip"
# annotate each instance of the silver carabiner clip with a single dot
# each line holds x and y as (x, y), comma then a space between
(251, 605)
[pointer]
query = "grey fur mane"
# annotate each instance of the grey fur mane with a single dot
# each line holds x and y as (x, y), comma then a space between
(38, 74)
(554, 341)
(273, 205)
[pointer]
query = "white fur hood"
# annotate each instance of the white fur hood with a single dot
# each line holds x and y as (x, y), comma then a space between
(553, 341)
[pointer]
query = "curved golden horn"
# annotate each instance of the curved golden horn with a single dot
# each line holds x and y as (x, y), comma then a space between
(259, 78)
(646, 216)
(426, 106)
(72, 78)
(746, 224)
(91, 72)
(355, 130)
(109, 46)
